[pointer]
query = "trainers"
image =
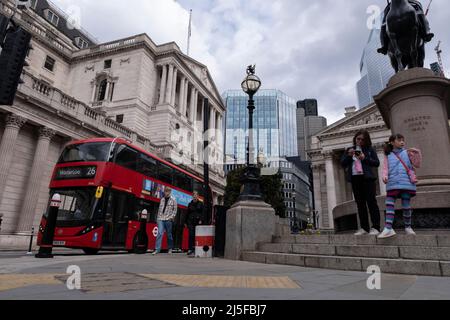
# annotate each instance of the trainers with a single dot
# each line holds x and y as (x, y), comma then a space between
(155, 252)
(387, 233)
(190, 252)
(410, 231)
(374, 232)
(170, 251)
(361, 232)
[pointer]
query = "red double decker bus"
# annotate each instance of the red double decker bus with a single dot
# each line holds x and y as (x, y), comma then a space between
(104, 185)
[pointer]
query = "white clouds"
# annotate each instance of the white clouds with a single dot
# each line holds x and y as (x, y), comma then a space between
(308, 49)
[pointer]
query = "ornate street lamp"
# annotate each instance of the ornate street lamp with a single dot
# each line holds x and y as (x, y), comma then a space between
(250, 180)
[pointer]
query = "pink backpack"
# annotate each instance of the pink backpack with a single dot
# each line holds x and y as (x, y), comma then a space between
(415, 155)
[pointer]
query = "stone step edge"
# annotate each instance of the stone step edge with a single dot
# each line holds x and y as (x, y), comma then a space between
(433, 267)
(352, 245)
(400, 250)
(363, 241)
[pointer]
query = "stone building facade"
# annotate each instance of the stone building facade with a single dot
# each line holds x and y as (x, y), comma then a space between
(331, 189)
(149, 94)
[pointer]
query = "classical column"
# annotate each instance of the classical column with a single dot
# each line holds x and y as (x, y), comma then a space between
(12, 128)
(181, 97)
(317, 192)
(31, 194)
(107, 93)
(195, 106)
(94, 92)
(162, 91)
(174, 87)
(169, 85)
(331, 190)
(185, 102)
(191, 107)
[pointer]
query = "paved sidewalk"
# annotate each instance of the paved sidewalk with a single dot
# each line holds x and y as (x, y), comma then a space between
(177, 277)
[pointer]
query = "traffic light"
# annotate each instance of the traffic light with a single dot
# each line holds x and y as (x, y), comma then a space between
(12, 60)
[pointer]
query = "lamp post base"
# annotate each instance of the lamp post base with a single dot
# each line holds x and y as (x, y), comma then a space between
(251, 190)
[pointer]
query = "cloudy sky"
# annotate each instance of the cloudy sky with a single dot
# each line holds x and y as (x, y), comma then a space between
(308, 49)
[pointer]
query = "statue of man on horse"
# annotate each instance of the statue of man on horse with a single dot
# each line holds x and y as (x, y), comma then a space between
(404, 32)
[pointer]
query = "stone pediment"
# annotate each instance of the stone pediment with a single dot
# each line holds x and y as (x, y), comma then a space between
(202, 73)
(367, 117)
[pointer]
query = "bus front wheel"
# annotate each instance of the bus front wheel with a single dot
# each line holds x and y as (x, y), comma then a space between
(90, 251)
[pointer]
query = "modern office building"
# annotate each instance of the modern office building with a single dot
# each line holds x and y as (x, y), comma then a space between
(274, 124)
(75, 88)
(436, 68)
(375, 68)
(308, 124)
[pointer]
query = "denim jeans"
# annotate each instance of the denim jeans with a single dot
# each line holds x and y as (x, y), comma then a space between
(167, 227)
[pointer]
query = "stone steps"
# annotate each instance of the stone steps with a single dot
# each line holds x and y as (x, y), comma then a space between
(424, 254)
(394, 266)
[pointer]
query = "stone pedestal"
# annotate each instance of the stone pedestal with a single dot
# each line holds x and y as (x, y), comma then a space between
(248, 223)
(416, 104)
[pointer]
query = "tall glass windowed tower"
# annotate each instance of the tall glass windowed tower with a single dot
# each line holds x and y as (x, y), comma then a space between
(274, 124)
(375, 70)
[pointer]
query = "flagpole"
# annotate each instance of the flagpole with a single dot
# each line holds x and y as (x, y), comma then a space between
(189, 32)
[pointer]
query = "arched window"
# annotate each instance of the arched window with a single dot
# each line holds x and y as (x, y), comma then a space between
(102, 90)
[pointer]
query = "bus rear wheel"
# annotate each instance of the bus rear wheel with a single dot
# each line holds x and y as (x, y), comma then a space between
(90, 251)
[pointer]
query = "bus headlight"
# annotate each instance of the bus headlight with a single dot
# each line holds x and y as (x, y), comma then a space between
(87, 230)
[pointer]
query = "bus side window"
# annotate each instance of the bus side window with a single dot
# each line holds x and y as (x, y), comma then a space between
(126, 157)
(182, 181)
(147, 166)
(165, 173)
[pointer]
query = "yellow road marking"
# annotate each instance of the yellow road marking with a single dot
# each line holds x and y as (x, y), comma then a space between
(14, 281)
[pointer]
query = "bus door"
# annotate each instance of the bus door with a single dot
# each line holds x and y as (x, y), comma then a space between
(120, 210)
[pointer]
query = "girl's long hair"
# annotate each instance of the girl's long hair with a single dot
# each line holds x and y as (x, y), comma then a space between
(389, 147)
(366, 135)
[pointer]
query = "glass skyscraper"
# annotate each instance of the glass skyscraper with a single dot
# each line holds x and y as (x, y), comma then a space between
(274, 121)
(375, 68)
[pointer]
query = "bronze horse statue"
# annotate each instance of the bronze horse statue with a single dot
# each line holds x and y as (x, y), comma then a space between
(406, 31)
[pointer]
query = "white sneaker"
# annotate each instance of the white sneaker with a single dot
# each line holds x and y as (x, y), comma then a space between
(361, 232)
(410, 231)
(374, 232)
(170, 251)
(155, 252)
(387, 233)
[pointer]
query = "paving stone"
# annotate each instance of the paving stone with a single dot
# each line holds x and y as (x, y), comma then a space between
(295, 260)
(443, 240)
(406, 240)
(368, 251)
(275, 258)
(313, 239)
(257, 257)
(349, 239)
(318, 249)
(284, 239)
(425, 253)
(401, 266)
(338, 263)
(276, 247)
(445, 267)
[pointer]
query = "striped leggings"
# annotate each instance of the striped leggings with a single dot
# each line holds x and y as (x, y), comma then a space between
(390, 210)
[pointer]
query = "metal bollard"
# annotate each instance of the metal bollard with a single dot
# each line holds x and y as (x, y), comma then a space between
(45, 250)
(31, 242)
